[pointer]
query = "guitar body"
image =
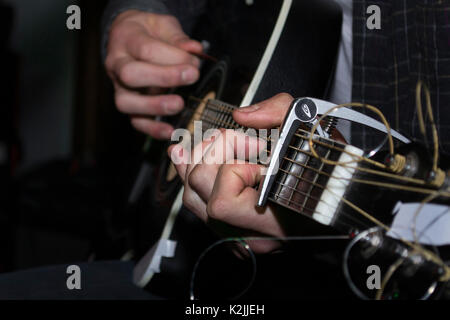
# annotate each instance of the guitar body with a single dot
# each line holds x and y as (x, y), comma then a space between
(263, 49)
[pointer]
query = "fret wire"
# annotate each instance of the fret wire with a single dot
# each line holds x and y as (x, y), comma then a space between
(284, 178)
(203, 113)
(311, 185)
(226, 124)
(221, 112)
(277, 196)
(229, 121)
(207, 111)
(209, 121)
(302, 168)
(222, 116)
(307, 167)
(220, 106)
(317, 175)
(296, 190)
(303, 179)
(225, 112)
(344, 214)
(212, 114)
(216, 123)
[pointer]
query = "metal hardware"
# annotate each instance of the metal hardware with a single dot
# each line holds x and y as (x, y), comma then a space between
(306, 110)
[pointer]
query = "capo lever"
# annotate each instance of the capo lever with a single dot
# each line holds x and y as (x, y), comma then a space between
(306, 110)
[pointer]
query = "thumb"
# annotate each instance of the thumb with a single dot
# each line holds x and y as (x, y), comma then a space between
(267, 114)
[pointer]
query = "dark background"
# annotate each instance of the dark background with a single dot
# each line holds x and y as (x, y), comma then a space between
(64, 149)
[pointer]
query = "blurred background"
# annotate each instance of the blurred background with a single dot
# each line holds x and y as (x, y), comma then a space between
(67, 157)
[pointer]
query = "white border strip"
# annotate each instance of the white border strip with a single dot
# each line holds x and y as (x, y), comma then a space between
(262, 67)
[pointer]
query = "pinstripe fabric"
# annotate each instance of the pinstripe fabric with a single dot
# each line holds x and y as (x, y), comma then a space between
(413, 44)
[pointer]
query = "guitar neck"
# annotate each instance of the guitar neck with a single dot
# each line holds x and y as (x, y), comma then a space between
(302, 181)
(218, 114)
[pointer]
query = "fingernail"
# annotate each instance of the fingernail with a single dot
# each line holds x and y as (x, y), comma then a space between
(252, 108)
(189, 76)
(172, 106)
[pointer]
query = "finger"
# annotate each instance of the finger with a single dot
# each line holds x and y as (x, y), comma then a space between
(185, 160)
(234, 199)
(229, 146)
(138, 74)
(269, 113)
(180, 158)
(147, 49)
(130, 102)
(190, 45)
(183, 164)
(156, 129)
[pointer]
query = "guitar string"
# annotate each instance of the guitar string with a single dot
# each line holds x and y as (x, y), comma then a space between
(421, 121)
(380, 184)
(394, 176)
(377, 183)
(235, 126)
(412, 180)
(336, 223)
(351, 217)
(374, 220)
(429, 254)
(396, 265)
(393, 267)
(425, 252)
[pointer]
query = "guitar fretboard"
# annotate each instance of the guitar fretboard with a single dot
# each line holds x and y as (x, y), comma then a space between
(218, 114)
(302, 179)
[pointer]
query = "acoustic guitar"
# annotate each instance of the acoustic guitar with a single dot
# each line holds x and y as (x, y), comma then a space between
(311, 172)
